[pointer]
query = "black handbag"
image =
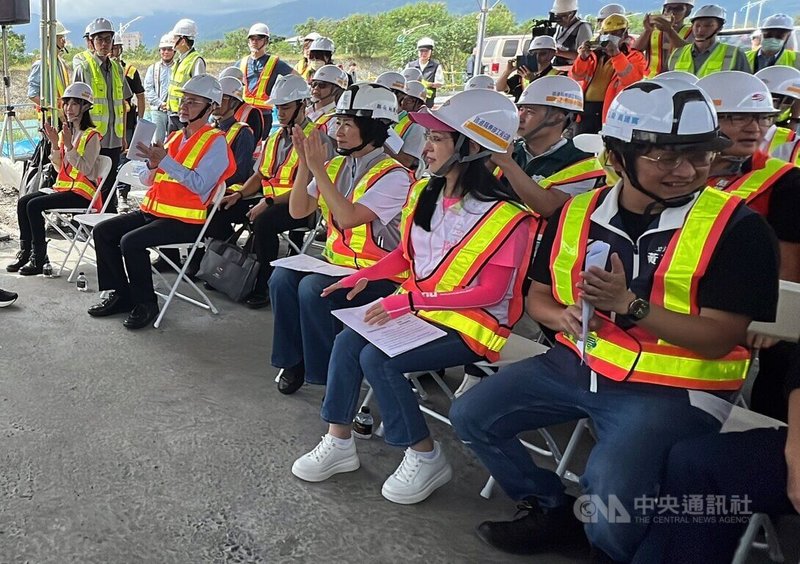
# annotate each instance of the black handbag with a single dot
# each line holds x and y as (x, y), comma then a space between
(229, 268)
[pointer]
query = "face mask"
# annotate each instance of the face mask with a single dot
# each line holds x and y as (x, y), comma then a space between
(771, 45)
(606, 38)
(315, 64)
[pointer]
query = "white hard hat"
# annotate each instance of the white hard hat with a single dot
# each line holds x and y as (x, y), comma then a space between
(778, 21)
(60, 29)
(687, 2)
(610, 9)
(87, 29)
(484, 116)
(332, 74)
(185, 28)
(710, 11)
(289, 88)
(416, 89)
(312, 36)
(679, 75)
(368, 100)
(542, 42)
(480, 81)
(79, 90)
(99, 25)
(426, 42)
(781, 80)
(410, 73)
(166, 42)
(204, 85)
(564, 6)
(117, 39)
(737, 92)
(392, 80)
(235, 72)
(322, 44)
(231, 87)
(258, 29)
(554, 91)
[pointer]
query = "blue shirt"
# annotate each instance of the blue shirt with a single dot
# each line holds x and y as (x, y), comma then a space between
(255, 66)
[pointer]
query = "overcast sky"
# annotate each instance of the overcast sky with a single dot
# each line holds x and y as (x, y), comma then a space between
(88, 9)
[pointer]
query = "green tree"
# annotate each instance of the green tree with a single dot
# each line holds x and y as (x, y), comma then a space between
(16, 48)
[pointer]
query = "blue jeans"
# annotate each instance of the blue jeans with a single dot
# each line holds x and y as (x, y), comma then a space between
(636, 425)
(354, 357)
(304, 328)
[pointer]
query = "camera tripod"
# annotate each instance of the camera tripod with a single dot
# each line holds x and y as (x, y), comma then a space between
(10, 119)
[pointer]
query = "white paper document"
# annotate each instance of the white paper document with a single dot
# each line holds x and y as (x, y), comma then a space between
(307, 263)
(394, 141)
(394, 337)
(144, 132)
(596, 255)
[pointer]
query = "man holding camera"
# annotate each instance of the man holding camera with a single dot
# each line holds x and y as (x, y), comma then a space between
(539, 63)
(663, 34)
(571, 31)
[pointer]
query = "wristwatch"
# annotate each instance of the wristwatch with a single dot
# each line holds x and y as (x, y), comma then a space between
(638, 309)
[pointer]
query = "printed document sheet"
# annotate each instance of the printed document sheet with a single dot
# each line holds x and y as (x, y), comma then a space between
(307, 263)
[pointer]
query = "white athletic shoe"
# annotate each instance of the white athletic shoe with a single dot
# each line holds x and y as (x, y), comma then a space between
(468, 382)
(7, 298)
(417, 477)
(325, 460)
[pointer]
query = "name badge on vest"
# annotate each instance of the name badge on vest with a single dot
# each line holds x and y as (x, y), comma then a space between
(721, 183)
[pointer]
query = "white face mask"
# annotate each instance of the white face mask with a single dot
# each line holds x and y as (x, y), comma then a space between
(315, 64)
(606, 38)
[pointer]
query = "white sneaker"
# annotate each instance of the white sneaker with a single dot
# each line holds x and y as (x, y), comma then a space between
(468, 382)
(417, 477)
(325, 460)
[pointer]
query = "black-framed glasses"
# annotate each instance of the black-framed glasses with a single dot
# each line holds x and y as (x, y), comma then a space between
(319, 84)
(742, 120)
(667, 162)
(189, 102)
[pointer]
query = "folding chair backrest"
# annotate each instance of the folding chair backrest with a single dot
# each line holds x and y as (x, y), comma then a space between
(216, 199)
(787, 322)
(104, 168)
(129, 174)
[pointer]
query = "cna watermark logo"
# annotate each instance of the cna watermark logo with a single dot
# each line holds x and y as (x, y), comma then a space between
(693, 508)
(593, 508)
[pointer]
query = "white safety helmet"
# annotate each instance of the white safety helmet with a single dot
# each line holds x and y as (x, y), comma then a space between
(322, 44)
(60, 29)
(391, 80)
(542, 42)
(258, 29)
(166, 42)
(687, 2)
(332, 74)
(781, 80)
(289, 88)
(416, 89)
(679, 75)
(185, 28)
(312, 36)
(87, 29)
(235, 72)
(555, 91)
(610, 9)
(737, 92)
(410, 73)
(368, 100)
(564, 6)
(778, 21)
(117, 39)
(426, 42)
(484, 116)
(79, 90)
(99, 25)
(204, 85)
(480, 81)
(710, 11)
(231, 87)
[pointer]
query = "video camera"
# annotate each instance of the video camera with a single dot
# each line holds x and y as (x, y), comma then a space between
(544, 27)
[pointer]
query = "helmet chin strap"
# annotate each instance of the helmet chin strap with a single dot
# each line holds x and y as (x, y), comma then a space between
(528, 136)
(351, 150)
(457, 157)
(201, 115)
(674, 202)
(290, 124)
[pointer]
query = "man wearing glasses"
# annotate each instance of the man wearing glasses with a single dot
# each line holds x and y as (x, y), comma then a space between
(431, 70)
(663, 34)
(189, 64)
(327, 86)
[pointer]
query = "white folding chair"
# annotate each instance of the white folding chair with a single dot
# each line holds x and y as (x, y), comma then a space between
(308, 238)
(88, 221)
(191, 248)
(130, 176)
(56, 216)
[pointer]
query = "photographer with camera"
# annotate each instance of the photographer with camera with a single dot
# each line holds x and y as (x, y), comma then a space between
(664, 33)
(518, 75)
(571, 31)
(604, 69)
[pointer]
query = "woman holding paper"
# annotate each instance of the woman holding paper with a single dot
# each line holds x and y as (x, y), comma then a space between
(74, 154)
(465, 243)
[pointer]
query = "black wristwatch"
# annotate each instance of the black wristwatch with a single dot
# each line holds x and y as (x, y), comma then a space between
(638, 309)
(269, 201)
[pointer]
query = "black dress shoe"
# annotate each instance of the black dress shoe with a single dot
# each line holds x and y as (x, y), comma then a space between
(257, 301)
(291, 379)
(112, 304)
(142, 315)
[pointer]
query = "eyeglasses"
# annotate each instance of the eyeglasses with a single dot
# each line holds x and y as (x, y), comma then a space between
(319, 85)
(103, 38)
(667, 162)
(435, 138)
(189, 102)
(741, 120)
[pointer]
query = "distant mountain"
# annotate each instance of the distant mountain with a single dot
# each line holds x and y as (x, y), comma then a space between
(283, 17)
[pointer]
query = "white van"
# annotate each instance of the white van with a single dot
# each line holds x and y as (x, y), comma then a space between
(497, 50)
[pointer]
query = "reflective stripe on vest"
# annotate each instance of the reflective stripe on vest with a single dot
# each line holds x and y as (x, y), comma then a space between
(459, 267)
(786, 58)
(99, 111)
(757, 182)
(576, 172)
(322, 121)
(782, 135)
(62, 79)
(637, 355)
(355, 247)
(230, 137)
(181, 72)
(71, 179)
(167, 197)
(130, 70)
(721, 58)
(655, 64)
(258, 98)
(402, 126)
(279, 177)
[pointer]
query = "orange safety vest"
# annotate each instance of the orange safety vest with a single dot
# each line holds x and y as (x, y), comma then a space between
(403, 124)
(322, 121)
(636, 355)
(655, 65)
(278, 177)
(259, 98)
(355, 247)
(71, 179)
(169, 198)
(755, 184)
(479, 329)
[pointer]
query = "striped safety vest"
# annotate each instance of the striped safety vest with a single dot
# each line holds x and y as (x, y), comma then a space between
(757, 183)
(230, 137)
(782, 135)
(181, 72)
(636, 355)
(169, 198)
(71, 179)
(100, 111)
(322, 121)
(355, 247)
(479, 329)
(278, 177)
(656, 63)
(259, 98)
(403, 124)
(62, 79)
(786, 58)
(721, 58)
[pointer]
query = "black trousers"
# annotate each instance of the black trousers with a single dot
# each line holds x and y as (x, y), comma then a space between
(108, 183)
(128, 237)
(30, 208)
(221, 227)
(266, 228)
